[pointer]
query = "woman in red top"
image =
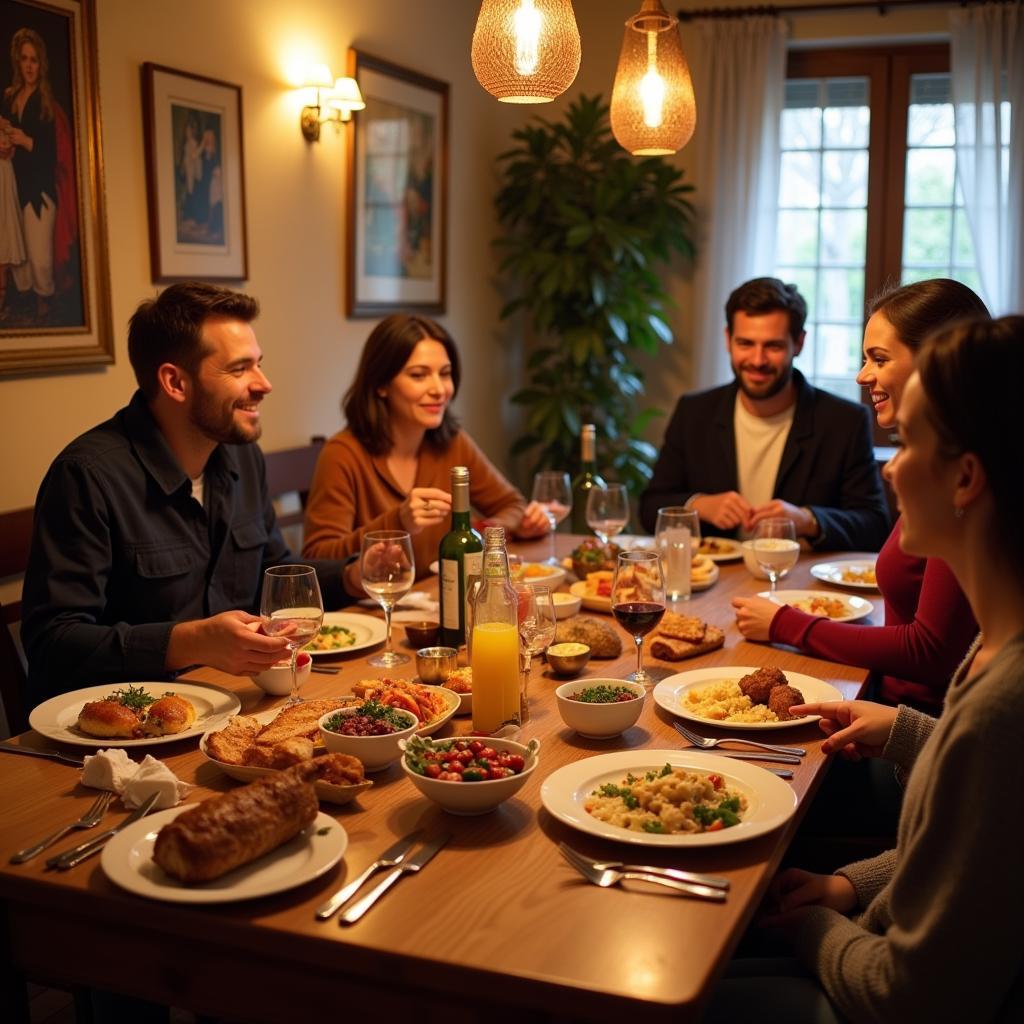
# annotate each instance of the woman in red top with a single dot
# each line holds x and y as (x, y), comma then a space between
(928, 622)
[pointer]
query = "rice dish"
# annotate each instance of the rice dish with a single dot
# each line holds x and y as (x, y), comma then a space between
(722, 701)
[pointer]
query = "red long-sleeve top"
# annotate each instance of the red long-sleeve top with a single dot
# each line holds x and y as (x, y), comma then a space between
(928, 627)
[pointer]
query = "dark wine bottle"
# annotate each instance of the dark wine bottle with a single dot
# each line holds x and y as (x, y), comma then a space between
(460, 557)
(586, 479)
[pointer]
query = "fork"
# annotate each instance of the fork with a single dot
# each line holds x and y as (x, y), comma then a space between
(706, 743)
(609, 876)
(91, 818)
(680, 876)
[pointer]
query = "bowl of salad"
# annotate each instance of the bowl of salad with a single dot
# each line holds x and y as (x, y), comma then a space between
(468, 775)
(600, 708)
(370, 731)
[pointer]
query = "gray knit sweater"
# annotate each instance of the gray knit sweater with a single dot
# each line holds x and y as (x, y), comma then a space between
(939, 933)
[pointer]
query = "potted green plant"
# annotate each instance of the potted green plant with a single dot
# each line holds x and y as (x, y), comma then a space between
(587, 229)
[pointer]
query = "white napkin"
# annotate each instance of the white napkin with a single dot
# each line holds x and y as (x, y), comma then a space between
(114, 770)
(411, 608)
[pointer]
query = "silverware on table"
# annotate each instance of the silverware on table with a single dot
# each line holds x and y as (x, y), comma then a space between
(326, 671)
(410, 866)
(783, 773)
(714, 881)
(609, 876)
(48, 755)
(92, 817)
(391, 857)
(68, 859)
(742, 755)
(706, 743)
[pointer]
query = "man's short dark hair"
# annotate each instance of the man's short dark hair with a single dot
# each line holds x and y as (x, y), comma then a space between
(768, 295)
(168, 329)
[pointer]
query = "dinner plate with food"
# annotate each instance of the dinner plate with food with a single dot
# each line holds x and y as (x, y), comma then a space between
(721, 549)
(595, 592)
(345, 632)
(432, 705)
(704, 799)
(829, 604)
(858, 573)
(133, 714)
(741, 697)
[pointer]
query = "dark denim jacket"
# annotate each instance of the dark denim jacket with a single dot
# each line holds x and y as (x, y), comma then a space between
(121, 552)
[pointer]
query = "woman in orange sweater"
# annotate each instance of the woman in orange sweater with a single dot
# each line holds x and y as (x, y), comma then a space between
(390, 468)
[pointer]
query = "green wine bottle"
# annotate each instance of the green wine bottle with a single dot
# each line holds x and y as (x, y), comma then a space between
(586, 479)
(460, 556)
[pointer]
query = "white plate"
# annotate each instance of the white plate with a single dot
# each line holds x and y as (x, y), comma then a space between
(554, 578)
(832, 572)
(732, 553)
(57, 717)
(634, 542)
(856, 607)
(604, 604)
(435, 567)
(670, 694)
(368, 629)
(770, 801)
(128, 862)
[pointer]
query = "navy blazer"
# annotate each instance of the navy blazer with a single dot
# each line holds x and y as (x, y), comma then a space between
(827, 465)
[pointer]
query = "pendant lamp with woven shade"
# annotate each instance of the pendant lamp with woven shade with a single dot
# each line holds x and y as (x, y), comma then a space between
(653, 109)
(526, 51)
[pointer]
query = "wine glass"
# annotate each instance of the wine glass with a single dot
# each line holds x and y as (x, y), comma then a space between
(291, 606)
(552, 491)
(607, 511)
(677, 537)
(536, 631)
(775, 548)
(638, 599)
(388, 571)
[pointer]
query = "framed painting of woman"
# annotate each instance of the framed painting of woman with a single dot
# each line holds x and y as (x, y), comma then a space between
(54, 273)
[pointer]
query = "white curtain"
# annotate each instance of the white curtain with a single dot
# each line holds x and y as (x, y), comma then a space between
(987, 58)
(739, 83)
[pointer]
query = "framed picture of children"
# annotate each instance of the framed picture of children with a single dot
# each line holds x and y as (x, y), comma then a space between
(54, 273)
(195, 178)
(397, 188)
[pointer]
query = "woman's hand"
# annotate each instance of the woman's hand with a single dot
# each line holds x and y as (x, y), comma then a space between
(856, 728)
(792, 891)
(425, 506)
(19, 138)
(754, 616)
(535, 522)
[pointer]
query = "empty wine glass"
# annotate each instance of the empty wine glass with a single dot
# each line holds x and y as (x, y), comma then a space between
(388, 571)
(775, 548)
(607, 511)
(291, 606)
(552, 491)
(536, 631)
(638, 599)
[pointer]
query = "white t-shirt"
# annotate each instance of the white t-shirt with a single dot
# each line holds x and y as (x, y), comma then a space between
(197, 487)
(759, 444)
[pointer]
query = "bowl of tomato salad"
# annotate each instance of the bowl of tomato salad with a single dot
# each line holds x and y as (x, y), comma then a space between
(468, 775)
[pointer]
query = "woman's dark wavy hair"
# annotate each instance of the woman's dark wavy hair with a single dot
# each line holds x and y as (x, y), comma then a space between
(386, 351)
(916, 310)
(971, 374)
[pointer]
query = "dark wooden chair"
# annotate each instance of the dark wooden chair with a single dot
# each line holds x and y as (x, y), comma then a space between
(290, 472)
(15, 538)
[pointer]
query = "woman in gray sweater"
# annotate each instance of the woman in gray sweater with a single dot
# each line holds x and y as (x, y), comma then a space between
(931, 930)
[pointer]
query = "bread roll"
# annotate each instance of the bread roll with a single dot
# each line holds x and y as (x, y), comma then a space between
(109, 719)
(232, 829)
(170, 714)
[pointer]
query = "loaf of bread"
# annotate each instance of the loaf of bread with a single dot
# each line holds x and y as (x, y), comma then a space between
(232, 829)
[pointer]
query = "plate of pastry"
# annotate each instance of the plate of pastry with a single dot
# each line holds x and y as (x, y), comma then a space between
(133, 714)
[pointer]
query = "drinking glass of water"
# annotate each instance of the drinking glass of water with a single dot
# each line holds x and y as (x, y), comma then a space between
(677, 537)
(291, 606)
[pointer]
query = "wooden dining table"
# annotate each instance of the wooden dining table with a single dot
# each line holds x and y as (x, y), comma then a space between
(497, 926)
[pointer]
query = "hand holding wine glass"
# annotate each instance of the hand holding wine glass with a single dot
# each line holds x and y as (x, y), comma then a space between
(638, 599)
(291, 607)
(775, 548)
(388, 572)
(607, 511)
(553, 492)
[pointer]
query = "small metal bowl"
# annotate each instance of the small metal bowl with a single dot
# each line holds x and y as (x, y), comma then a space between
(423, 634)
(567, 664)
(435, 664)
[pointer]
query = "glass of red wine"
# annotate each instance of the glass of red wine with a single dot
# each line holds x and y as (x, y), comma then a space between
(638, 599)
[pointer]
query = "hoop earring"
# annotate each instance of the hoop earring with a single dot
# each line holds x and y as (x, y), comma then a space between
(958, 512)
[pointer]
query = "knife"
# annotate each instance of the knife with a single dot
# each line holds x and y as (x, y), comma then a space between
(742, 755)
(390, 858)
(69, 858)
(412, 865)
(49, 755)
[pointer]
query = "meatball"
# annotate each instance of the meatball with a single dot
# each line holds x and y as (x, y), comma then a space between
(758, 685)
(782, 698)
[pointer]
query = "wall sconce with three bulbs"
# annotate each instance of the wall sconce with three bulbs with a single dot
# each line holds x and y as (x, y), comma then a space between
(339, 96)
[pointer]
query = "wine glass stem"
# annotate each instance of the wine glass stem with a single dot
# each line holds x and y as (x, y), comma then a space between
(639, 641)
(294, 699)
(553, 523)
(772, 577)
(387, 623)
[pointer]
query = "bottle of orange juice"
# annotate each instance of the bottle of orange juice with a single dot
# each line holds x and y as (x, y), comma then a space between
(494, 652)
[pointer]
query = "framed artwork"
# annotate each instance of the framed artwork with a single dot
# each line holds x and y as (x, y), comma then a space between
(195, 179)
(397, 191)
(54, 272)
